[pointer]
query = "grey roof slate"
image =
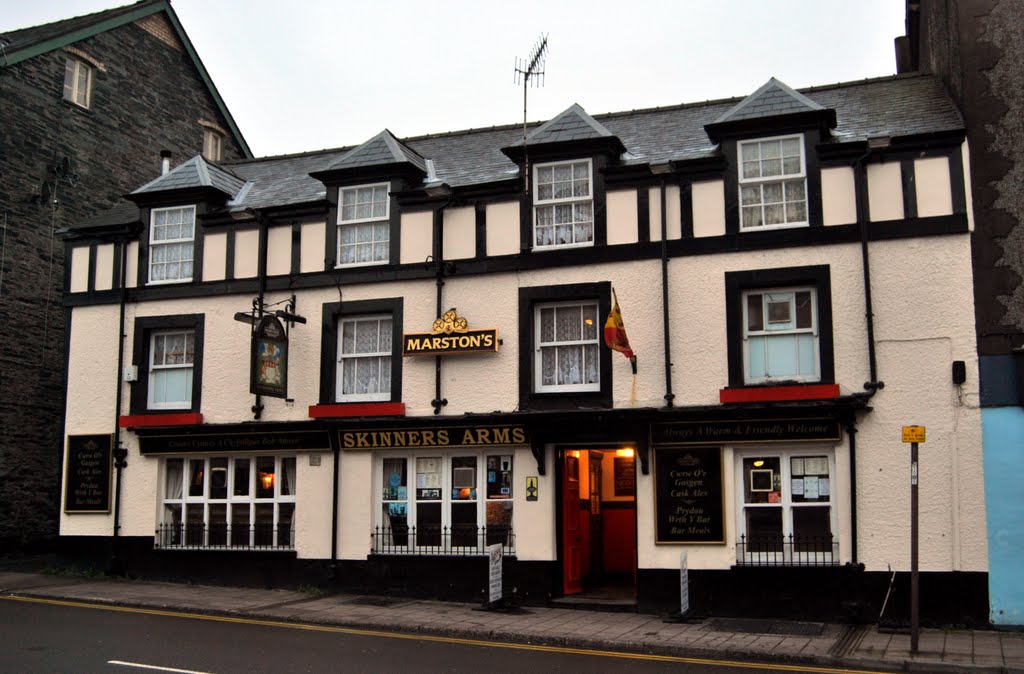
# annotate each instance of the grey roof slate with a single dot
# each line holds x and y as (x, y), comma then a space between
(902, 105)
(26, 37)
(194, 173)
(381, 150)
(571, 124)
(772, 98)
(123, 213)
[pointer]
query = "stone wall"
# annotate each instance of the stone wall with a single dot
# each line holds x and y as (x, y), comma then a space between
(147, 97)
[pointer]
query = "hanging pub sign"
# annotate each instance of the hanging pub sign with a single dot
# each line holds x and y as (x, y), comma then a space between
(269, 361)
(87, 479)
(450, 335)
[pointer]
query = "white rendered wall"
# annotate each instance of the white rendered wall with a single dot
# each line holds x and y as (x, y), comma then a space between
(503, 228)
(838, 196)
(247, 253)
(622, 217)
(104, 272)
(654, 213)
(215, 249)
(312, 247)
(931, 179)
(459, 233)
(79, 269)
(417, 236)
(885, 191)
(279, 251)
(708, 199)
(132, 271)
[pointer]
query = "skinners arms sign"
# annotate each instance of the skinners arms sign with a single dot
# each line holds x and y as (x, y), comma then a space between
(450, 335)
(453, 436)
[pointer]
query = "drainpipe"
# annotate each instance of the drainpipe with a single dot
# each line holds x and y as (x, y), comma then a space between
(335, 450)
(120, 452)
(443, 268)
(261, 264)
(851, 431)
(662, 169)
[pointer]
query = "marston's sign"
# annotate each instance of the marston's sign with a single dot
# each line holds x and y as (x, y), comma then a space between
(453, 436)
(450, 335)
(736, 432)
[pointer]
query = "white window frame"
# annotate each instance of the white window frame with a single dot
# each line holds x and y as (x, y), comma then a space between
(212, 145)
(73, 90)
(342, 397)
(154, 368)
(538, 363)
(371, 222)
(539, 203)
(814, 331)
(781, 179)
(249, 500)
(446, 500)
(786, 503)
(154, 243)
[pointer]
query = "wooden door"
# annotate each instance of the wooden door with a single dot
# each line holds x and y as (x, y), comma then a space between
(572, 540)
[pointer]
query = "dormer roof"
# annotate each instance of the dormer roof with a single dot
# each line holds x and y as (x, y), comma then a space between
(571, 127)
(773, 100)
(383, 152)
(195, 174)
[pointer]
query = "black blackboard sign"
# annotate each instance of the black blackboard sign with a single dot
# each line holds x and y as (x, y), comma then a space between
(688, 495)
(87, 480)
(625, 475)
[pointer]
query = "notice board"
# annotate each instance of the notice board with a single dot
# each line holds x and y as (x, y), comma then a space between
(87, 479)
(688, 495)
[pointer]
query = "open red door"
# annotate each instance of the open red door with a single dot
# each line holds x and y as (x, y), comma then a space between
(572, 543)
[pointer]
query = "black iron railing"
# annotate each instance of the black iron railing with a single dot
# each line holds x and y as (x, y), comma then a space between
(787, 551)
(201, 536)
(458, 539)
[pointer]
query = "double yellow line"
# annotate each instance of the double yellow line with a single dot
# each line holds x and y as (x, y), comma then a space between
(446, 640)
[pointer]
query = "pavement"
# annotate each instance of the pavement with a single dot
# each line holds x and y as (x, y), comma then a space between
(825, 645)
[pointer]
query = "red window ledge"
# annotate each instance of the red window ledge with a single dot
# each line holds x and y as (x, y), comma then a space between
(357, 410)
(761, 394)
(140, 420)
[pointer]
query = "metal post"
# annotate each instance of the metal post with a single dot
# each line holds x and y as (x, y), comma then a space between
(915, 626)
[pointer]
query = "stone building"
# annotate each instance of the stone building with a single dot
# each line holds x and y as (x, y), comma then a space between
(976, 47)
(89, 103)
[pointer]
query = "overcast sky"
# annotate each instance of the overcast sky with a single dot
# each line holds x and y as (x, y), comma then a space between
(302, 75)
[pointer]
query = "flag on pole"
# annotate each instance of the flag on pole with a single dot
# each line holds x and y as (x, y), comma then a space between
(615, 333)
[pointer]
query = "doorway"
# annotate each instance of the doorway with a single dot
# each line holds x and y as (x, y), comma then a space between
(598, 532)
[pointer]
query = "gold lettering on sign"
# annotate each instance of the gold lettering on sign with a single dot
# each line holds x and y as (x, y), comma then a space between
(488, 436)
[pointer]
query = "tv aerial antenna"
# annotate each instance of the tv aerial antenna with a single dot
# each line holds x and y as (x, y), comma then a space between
(530, 71)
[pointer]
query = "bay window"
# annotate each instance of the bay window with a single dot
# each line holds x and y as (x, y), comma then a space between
(228, 502)
(444, 502)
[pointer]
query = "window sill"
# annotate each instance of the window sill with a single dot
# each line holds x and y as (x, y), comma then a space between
(757, 394)
(173, 419)
(367, 409)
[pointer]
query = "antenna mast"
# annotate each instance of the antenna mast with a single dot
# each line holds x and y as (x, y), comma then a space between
(530, 71)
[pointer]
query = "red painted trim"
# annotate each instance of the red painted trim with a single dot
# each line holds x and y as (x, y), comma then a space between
(357, 410)
(140, 420)
(762, 394)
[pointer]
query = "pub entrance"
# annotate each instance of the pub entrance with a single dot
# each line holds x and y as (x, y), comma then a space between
(598, 526)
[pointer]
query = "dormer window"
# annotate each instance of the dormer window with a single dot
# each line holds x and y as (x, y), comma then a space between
(364, 226)
(171, 244)
(77, 82)
(773, 183)
(563, 204)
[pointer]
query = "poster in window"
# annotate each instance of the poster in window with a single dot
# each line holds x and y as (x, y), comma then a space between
(269, 361)
(87, 479)
(499, 476)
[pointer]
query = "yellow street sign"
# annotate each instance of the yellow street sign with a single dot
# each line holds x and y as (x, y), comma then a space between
(913, 434)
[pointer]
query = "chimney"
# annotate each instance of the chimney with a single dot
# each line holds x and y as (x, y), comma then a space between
(165, 162)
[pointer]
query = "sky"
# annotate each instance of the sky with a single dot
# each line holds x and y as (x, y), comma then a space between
(303, 75)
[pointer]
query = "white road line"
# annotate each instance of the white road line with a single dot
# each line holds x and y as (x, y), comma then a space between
(156, 667)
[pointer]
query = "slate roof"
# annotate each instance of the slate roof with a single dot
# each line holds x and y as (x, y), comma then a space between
(195, 173)
(901, 105)
(571, 124)
(381, 150)
(772, 98)
(25, 43)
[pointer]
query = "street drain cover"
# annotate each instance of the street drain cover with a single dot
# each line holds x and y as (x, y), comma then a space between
(750, 626)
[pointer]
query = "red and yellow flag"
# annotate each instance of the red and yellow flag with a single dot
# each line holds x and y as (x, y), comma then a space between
(615, 333)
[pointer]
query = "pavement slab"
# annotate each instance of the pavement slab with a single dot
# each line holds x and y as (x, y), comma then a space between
(940, 650)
